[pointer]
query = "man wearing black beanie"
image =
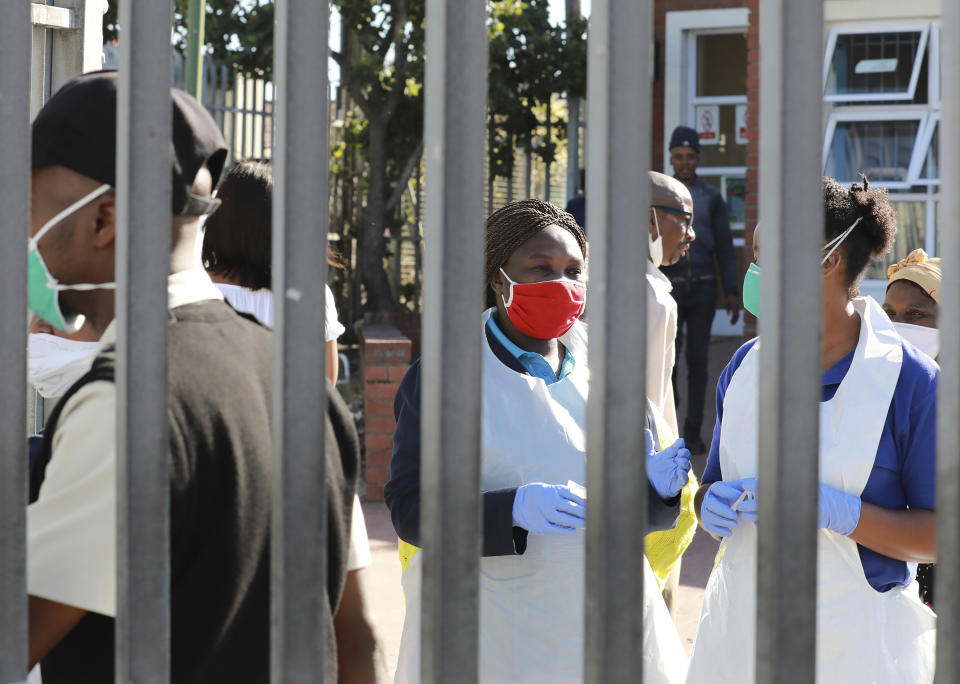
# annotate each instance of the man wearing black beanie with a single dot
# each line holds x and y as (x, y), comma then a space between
(694, 279)
(219, 399)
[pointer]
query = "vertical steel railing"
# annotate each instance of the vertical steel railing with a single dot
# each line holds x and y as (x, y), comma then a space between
(618, 154)
(454, 132)
(948, 427)
(791, 211)
(144, 125)
(15, 34)
(300, 224)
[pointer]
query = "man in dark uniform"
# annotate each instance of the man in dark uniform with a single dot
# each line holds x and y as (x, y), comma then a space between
(694, 279)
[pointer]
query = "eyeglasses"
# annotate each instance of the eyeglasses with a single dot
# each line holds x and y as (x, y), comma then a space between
(687, 222)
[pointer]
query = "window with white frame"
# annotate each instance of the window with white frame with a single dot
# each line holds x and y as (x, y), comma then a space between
(881, 84)
(717, 106)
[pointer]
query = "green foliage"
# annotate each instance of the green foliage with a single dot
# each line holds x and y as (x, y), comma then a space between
(531, 62)
(239, 33)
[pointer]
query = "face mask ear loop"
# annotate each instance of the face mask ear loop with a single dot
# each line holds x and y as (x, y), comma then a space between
(86, 199)
(837, 241)
(507, 302)
(656, 222)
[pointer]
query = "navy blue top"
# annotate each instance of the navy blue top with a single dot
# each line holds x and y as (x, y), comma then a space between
(712, 226)
(500, 536)
(577, 207)
(904, 472)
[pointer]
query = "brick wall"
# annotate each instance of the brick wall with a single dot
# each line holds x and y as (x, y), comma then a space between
(385, 355)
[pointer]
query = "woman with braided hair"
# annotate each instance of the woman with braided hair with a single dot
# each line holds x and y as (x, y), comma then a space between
(877, 467)
(535, 387)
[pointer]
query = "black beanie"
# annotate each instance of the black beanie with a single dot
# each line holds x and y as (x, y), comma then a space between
(77, 128)
(684, 136)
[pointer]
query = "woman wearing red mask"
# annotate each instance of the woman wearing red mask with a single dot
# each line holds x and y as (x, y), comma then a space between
(535, 386)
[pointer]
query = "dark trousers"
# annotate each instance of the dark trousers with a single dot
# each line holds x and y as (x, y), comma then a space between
(696, 306)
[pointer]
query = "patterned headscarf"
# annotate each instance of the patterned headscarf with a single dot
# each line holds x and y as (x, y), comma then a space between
(919, 269)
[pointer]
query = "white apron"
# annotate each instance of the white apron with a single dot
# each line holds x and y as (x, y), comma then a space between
(531, 606)
(862, 635)
(661, 344)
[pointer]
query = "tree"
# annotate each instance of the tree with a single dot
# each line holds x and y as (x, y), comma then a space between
(239, 33)
(381, 67)
(531, 61)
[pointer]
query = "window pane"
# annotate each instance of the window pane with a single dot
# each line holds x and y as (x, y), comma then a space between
(873, 63)
(931, 170)
(726, 151)
(721, 64)
(736, 200)
(911, 233)
(880, 149)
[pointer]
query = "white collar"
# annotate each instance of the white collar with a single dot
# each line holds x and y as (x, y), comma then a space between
(185, 287)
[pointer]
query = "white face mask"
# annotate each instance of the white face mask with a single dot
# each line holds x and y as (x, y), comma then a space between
(923, 338)
(55, 363)
(656, 244)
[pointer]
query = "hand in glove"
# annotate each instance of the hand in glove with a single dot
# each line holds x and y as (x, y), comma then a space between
(838, 511)
(667, 470)
(548, 509)
(720, 513)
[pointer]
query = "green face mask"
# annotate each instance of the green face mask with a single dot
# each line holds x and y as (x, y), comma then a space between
(751, 290)
(43, 290)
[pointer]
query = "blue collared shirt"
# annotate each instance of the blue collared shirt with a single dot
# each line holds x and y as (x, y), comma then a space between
(532, 362)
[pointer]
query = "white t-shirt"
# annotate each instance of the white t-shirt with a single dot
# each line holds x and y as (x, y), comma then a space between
(259, 303)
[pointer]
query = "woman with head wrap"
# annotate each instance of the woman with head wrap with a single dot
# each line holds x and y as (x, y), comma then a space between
(912, 300)
(912, 303)
(534, 399)
(877, 469)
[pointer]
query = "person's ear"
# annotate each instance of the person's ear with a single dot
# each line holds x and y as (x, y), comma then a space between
(105, 222)
(832, 265)
(497, 283)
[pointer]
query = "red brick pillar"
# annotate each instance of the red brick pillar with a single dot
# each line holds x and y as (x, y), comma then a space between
(385, 357)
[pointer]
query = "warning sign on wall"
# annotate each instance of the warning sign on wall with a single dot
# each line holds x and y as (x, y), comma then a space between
(708, 124)
(741, 124)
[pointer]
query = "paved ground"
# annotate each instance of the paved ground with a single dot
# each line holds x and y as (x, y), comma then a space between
(382, 580)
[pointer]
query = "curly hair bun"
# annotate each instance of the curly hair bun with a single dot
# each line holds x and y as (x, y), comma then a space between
(874, 234)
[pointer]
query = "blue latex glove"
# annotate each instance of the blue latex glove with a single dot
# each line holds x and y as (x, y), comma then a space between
(716, 511)
(667, 470)
(838, 511)
(548, 509)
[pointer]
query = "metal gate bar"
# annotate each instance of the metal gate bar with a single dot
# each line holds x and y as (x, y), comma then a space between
(618, 154)
(144, 125)
(15, 34)
(454, 137)
(948, 427)
(791, 212)
(300, 222)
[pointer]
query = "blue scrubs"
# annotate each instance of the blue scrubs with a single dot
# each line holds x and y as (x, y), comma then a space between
(904, 472)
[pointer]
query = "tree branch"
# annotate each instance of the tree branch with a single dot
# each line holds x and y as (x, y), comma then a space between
(412, 162)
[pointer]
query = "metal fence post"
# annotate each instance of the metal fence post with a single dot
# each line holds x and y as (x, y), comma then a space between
(454, 132)
(618, 153)
(948, 428)
(791, 210)
(144, 129)
(15, 34)
(300, 225)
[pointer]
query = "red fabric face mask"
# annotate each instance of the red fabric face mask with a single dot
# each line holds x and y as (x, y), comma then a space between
(545, 310)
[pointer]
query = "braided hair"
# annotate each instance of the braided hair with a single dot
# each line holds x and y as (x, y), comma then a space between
(512, 225)
(872, 237)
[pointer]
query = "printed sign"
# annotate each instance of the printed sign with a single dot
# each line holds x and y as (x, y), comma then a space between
(741, 124)
(708, 124)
